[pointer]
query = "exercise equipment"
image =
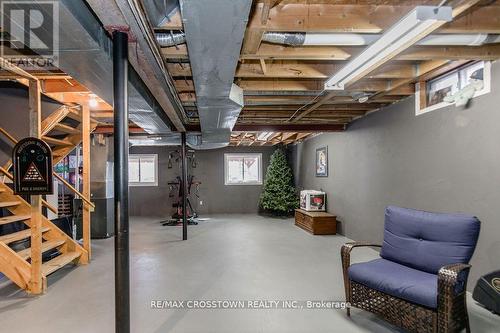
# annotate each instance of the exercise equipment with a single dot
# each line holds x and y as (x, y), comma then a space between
(176, 191)
(487, 291)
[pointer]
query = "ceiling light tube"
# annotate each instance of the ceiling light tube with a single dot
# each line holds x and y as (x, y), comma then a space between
(410, 29)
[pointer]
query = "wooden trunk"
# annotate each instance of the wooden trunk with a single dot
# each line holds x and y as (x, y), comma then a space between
(317, 223)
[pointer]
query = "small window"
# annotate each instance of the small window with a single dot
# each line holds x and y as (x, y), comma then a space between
(143, 170)
(432, 94)
(243, 169)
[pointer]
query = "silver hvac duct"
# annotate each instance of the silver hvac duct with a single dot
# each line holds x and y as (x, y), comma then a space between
(349, 39)
(85, 54)
(214, 36)
(166, 39)
(160, 11)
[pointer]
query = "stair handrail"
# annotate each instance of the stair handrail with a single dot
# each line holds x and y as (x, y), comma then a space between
(44, 202)
(62, 180)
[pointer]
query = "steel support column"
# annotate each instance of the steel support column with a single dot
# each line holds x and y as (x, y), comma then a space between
(122, 273)
(184, 185)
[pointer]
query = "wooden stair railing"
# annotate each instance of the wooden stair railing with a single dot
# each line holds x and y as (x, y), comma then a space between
(63, 138)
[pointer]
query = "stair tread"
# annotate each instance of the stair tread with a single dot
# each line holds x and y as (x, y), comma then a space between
(60, 261)
(13, 218)
(66, 129)
(9, 203)
(47, 245)
(74, 114)
(58, 142)
(9, 238)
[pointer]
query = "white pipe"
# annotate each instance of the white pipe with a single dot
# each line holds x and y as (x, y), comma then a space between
(351, 39)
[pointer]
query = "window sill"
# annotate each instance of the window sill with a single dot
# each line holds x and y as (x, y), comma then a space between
(441, 105)
(143, 184)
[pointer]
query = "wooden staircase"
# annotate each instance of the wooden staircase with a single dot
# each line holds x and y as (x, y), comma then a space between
(62, 130)
(16, 265)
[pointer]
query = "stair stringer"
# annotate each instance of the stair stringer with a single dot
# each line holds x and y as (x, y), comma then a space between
(24, 208)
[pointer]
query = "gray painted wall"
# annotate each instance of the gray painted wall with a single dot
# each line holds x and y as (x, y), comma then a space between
(217, 198)
(14, 116)
(447, 160)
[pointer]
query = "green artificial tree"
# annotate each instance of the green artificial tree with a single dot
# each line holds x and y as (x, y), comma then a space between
(279, 196)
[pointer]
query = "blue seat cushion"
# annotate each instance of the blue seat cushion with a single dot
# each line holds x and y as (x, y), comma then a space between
(428, 241)
(397, 280)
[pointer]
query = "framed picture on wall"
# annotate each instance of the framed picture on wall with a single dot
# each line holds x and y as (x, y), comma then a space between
(322, 162)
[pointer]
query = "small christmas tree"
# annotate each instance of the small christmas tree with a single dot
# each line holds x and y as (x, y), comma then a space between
(279, 195)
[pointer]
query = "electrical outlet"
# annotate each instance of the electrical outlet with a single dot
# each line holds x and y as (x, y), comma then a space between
(201, 202)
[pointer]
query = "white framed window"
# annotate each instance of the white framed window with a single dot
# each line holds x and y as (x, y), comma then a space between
(143, 170)
(447, 85)
(243, 169)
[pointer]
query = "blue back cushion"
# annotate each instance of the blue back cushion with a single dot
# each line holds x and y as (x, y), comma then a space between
(428, 241)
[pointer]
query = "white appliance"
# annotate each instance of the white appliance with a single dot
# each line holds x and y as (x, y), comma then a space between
(313, 201)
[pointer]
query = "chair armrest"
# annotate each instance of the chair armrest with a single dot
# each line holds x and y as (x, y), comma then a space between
(345, 254)
(452, 307)
(452, 279)
(345, 251)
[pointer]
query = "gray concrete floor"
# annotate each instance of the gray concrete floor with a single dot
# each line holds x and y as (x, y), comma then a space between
(235, 257)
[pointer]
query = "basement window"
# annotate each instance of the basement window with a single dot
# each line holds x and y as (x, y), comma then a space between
(243, 169)
(143, 170)
(435, 94)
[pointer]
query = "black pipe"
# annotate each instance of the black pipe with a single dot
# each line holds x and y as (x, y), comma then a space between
(122, 273)
(184, 185)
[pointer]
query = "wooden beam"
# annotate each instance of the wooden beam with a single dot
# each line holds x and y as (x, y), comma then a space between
(252, 40)
(275, 51)
(300, 85)
(36, 285)
(298, 69)
(86, 223)
(335, 53)
(265, 11)
(290, 127)
(175, 23)
(14, 267)
(53, 119)
(61, 86)
(263, 67)
(485, 52)
(364, 18)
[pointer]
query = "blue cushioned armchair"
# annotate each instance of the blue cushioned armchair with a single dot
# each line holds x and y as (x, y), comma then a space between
(419, 281)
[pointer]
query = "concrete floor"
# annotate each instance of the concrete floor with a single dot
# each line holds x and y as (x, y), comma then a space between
(234, 257)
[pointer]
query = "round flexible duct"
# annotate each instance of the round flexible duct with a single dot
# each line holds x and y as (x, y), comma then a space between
(170, 39)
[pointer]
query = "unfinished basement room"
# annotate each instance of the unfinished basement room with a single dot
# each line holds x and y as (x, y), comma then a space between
(249, 166)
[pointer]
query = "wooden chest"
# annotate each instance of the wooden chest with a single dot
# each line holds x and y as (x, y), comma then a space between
(317, 223)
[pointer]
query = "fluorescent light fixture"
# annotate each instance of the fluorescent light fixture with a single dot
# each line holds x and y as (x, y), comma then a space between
(264, 136)
(410, 29)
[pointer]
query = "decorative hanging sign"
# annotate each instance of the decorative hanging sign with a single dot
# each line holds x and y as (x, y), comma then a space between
(32, 159)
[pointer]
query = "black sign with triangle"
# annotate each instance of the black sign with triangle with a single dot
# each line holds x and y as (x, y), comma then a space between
(32, 160)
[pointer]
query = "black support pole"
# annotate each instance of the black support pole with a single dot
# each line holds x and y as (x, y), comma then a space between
(184, 186)
(120, 79)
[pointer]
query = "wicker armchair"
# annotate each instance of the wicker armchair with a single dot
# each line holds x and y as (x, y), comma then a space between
(435, 300)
